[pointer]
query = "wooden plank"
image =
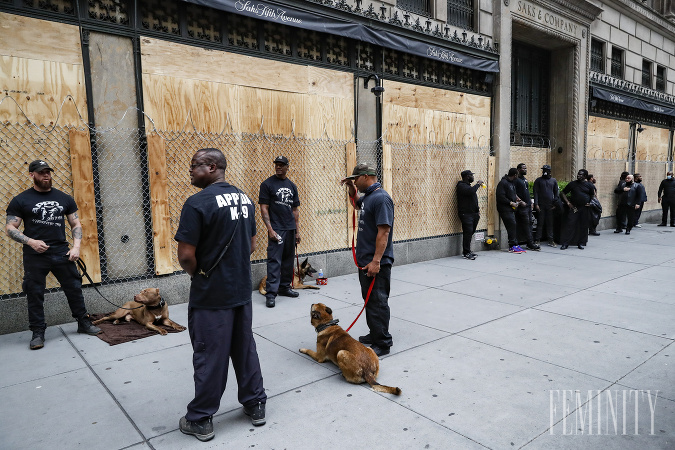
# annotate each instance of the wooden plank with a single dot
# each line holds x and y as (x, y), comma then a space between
(159, 205)
(387, 169)
(350, 150)
(422, 97)
(83, 192)
(492, 183)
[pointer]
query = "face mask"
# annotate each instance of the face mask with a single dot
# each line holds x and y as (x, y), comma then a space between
(470, 179)
(670, 177)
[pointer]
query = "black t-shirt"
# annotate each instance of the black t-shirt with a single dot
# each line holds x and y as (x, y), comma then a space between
(377, 208)
(207, 221)
(582, 192)
(523, 190)
(43, 215)
(467, 199)
(282, 197)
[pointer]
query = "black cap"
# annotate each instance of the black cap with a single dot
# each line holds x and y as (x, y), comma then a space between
(512, 172)
(546, 167)
(39, 165)
(362, 169)
(466, 173)
(281, 160)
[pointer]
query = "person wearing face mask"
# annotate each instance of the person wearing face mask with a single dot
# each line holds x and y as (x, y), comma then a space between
(524, 211)
(467, 208)
(667, 188)
(641, 193)
(596, 209)
(545, 201)
(628, 204)
(507, 202)
(575, 229)
(621, 192)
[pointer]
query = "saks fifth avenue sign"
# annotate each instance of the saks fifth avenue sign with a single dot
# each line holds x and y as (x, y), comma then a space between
(264, 11)
(443, 55)
(546, 18)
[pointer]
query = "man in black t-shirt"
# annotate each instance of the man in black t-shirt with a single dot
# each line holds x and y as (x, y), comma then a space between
(467, 209)
(216, 236)
(279, 203)
(575, 228)
(374, 252)
(524, 209)
(45, 249)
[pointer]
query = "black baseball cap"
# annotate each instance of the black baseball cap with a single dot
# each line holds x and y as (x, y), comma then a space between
(466, 173)
(546, 167)
(281, 160)
(39, 165)
(362, 169)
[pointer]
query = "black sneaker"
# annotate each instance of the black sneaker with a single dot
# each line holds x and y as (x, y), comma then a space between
(269, 302)
(627, 231)
(84, 326)
(202, 430)
(366, 339)
(288, 293)
(380, 351)
(256, 413)
(38, 340)
(470, 256)
(661, 225)
(533, 246)
(618, 231)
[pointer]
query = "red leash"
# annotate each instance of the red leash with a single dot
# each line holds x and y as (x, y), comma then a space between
(372, 283)
(298, 263)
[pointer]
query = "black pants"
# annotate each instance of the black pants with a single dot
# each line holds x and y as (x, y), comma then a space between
(593, 220)
(377, 309)
(508, 216)
(665, 205)
(280, 263)
(638, 213)
(218, 335)
(524, 224)
(575, 228)
(625, 214)
(545, 222)
(469, 225)
(36, 268)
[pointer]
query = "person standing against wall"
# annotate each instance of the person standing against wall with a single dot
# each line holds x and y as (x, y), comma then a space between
(596, 209)
(467, 209)
(666, 196)
(216, 236)
(279, 202)
(628, 204)
(524, 213)
(621, 190)
(545, 192)
(641, 198)
(374, 252)
(42, 209)
(575, 229)
(507, 202)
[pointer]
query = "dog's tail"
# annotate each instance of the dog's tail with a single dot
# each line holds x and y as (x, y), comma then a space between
(370, 379)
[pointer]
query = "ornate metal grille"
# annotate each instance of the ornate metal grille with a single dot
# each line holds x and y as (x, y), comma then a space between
(597, 56)
(646, 73)
(449, 75)
(460, 13)
(309, 45)
(243, 32)
(203, 23)
(660, 78)
(391, 65)
(429, 71)
(410, 67)
(617, 62)
(112, 11)
(422, 7)
(366, 57)
(337, 50)
(277, 39)
(617, 111)
(530, 94)
(160, 16)
(54, 6)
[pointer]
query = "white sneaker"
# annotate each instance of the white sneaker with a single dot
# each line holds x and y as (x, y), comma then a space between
(638, 226)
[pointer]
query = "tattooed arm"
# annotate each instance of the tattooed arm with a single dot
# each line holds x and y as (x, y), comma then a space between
(12, 230)
(76, 229)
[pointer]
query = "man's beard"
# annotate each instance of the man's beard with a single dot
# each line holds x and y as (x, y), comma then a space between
(44, 184)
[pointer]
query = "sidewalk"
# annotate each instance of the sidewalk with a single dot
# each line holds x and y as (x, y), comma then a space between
(488, 354)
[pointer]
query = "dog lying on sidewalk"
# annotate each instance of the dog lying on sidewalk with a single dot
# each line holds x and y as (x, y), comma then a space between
(147, 308)
(358, 363)
(299, 275)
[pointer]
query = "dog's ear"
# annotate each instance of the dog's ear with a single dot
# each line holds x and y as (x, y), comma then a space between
(316, 315)
(328, 310)
(304, 263)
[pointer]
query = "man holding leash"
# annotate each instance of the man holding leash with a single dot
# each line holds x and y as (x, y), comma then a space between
(216, 236)
(45, 249)
(279, 203)
(374, 252)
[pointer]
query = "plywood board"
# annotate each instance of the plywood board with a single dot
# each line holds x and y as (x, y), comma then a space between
(607, 138)
(423, 97)
(159, 205)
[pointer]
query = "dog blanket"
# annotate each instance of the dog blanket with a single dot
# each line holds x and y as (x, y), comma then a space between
(124, 331)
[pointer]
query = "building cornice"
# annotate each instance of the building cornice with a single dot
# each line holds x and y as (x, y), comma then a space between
(582, 8)
(644, 15)
(602, 79)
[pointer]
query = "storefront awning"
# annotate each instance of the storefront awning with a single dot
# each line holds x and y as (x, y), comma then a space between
(633, 102)
(310, 21)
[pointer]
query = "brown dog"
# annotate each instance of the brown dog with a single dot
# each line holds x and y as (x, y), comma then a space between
(358, 363)
(306, 269)
(147, 308)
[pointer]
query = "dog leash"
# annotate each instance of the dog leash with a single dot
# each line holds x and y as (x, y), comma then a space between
(372, 283)
(83, 268)
(297, 261)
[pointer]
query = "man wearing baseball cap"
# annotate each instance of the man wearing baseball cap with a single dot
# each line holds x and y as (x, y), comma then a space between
(45, 249)
(374, 252)
(279, 202)
(546, 200)
(467, 208)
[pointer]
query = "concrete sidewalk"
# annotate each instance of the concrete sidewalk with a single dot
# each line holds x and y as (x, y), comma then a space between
(488, 354)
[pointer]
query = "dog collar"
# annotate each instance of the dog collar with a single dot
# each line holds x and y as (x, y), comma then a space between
(158, 306)
(323, 326)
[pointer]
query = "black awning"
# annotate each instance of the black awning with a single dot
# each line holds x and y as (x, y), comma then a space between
(310, 21)
(633, 102)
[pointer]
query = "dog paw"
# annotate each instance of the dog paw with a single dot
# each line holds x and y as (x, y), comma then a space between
(181, 328)
(303, 350)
